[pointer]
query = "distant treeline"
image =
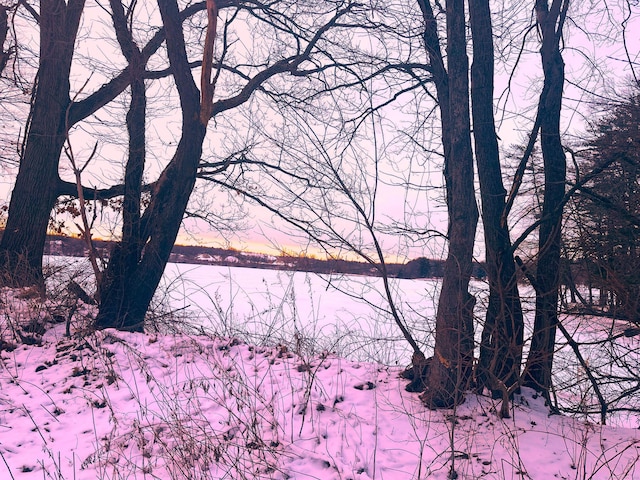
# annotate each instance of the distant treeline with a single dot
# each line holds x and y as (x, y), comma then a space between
(194, 254)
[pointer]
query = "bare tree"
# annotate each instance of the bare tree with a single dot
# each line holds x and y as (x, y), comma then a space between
(35, 191)
(131, 279)
(52, 115)
(551, 21)
(502, 337)
(450, 370)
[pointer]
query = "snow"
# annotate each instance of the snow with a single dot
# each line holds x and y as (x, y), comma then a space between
(343, 313)
(120, 405)
(113, 405)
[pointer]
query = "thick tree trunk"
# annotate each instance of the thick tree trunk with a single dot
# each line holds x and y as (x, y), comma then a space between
(450, 370)
(128, 292)
(36, 188)
(126, 254)
(502, 336)
(540, 360)
(134, 273)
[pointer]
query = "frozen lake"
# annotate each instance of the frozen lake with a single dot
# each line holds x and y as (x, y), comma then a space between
(348, 315)
(344, 313)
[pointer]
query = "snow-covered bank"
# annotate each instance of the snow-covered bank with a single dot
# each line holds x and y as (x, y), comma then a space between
(121, 406)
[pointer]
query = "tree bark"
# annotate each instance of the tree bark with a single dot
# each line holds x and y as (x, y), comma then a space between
(451, 368)
(502, 336)
(540, 360)
(35, 192)
(128, 292)
(131, 282)
(126, 254)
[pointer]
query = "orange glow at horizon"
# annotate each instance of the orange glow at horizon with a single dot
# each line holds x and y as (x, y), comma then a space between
(256, 246)
(270, 247)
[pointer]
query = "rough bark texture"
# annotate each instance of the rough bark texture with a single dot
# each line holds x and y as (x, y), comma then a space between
(130, 287)
(540, 360)
(35, 192)
(502, 336)
(450, 369)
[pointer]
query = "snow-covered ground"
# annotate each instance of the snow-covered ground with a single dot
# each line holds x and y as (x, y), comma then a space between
(343, 313)
(112, 405)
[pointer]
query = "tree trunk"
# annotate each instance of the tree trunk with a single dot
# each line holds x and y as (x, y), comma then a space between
(127, 296)
(502, 336)
(450, 371)
(134, 273)
(36, 188)
(128, 292)
(126, 254)
(540, 360)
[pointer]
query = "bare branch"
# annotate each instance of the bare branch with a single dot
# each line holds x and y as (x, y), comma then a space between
(207, 88)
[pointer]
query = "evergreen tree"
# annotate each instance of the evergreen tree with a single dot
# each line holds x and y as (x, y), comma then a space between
(608, 208)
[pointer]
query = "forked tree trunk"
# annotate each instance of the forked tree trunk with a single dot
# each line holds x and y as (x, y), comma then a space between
(128, 292)
(36, 188)
(540, 360)
(502, 336)
(129, 288)
(451, 368)
(126, 254)
(130, 283)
